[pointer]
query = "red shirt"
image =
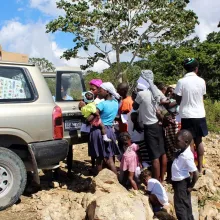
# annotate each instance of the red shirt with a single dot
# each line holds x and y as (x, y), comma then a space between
(126, 106)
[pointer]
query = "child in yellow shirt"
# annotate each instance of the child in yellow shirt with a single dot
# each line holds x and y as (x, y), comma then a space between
(90, 109)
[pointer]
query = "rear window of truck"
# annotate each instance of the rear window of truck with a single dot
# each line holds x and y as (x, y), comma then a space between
(14, 85)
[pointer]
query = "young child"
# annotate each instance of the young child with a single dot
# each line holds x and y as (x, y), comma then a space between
(157, 194)
(125, 106)
(89, 111)
(184, 175)
(129, 161)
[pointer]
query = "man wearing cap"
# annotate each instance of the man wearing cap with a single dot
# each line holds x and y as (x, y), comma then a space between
(189, 95)
(147, 102)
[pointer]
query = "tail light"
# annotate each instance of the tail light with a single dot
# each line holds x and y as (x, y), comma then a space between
(57, 123)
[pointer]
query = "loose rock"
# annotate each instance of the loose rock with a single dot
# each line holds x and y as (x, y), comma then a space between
(208, 211)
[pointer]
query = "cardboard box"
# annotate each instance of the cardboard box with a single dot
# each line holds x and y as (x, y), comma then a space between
(13, 57)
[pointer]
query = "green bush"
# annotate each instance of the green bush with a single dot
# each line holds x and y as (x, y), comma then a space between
(213, 115)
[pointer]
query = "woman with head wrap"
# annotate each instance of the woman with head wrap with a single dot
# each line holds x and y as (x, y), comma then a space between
(146, 103)
(94, 86)
(108, 110)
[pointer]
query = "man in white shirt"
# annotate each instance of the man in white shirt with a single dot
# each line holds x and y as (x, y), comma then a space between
(182, 167)
(189, 95)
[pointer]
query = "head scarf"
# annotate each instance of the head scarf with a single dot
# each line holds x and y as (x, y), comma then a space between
(142, 84)
(96, 82)
(148, 76)
(110, 88)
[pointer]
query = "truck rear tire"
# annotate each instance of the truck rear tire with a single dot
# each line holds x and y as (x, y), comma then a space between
(13, 178)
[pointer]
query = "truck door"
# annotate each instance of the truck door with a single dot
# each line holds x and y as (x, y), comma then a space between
(66, 88)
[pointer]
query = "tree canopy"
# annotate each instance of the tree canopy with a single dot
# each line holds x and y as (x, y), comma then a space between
(43, 64)
(166, 62)
(114, 27)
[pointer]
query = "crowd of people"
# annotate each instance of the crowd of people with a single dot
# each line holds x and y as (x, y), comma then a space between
(154, 133)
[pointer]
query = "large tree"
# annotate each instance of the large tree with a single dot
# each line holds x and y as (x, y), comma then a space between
(43, 64)
(114, 27)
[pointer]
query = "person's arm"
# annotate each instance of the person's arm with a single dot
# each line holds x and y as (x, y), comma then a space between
(178, 99)
(135, 106)
(168, 104)
(204, 90)
(81, 104)
(159, 115)
(195, 177)
(137, 101)
(134, 119)
(92, 116)
(195, 174)
(178, 92)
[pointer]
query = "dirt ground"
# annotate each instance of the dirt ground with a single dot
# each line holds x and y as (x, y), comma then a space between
(30, 204)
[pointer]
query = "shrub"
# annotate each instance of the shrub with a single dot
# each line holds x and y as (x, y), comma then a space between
(213, 115)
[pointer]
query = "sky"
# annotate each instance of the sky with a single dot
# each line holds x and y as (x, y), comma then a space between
(22, 29)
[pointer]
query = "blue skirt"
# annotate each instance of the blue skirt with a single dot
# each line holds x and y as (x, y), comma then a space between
(100, 148)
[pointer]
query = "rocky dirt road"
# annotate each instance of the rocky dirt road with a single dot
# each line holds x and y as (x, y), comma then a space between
(69, 199)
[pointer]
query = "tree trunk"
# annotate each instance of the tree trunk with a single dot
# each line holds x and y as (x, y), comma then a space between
(119, 73)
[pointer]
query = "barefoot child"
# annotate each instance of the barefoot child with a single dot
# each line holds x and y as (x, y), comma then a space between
(182, 168)
(130, 161)
(157, 194)
(89, 112)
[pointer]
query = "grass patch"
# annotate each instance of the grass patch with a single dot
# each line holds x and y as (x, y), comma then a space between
(204, 200)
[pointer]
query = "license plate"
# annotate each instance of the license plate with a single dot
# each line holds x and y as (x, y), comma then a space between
(72, 124)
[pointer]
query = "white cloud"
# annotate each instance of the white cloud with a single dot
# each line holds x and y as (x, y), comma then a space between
(31, 39)
(20, 9)
(48, 7)
(208, 14)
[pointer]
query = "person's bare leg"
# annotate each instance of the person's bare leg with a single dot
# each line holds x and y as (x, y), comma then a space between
(163, 167)
(102, 127)
(200, 152)
(156, 169)
(111, 165)
(103, 132)
(99, 162)
(131, 179)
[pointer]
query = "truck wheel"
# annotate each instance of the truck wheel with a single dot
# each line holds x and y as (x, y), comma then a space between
(13, 178)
